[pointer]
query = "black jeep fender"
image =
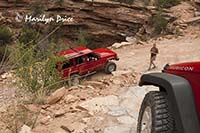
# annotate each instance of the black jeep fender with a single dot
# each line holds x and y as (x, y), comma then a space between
(180, 94)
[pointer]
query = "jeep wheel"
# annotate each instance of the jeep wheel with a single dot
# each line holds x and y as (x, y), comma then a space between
(155, 116)
(74, 80)
(110, 67)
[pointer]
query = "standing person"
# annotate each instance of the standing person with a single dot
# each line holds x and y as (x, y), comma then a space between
(154, 51)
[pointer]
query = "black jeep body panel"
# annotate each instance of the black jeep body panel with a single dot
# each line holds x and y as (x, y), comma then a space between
(180, 95)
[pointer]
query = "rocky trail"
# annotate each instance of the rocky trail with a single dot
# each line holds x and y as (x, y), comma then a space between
(111, 106)
(110, 103)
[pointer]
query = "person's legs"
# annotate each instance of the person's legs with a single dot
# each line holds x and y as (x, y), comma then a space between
(154, 66)
(153, 58)
(151, 62)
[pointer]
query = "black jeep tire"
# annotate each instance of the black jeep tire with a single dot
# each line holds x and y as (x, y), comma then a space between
(110, 67)
(160, 120)
(74, 80)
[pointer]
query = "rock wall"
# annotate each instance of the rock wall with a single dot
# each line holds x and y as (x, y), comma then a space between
(104, 23)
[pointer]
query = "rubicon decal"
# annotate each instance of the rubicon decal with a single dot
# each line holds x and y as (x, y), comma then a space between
(182, 68)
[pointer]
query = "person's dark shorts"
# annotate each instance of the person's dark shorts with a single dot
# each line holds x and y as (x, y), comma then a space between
(153, 57)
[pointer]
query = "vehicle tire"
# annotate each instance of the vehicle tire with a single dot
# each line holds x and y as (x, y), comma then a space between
(74, 80)
(154, 115)
(110, 67)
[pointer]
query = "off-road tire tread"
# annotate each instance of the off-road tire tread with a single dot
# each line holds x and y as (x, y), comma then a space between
(162, 120)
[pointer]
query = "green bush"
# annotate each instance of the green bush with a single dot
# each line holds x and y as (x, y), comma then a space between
(4, 53)
(5, 35)
(35, 73)
(4, 58)
(28, 36)
(5, 38)
(82, 39)
(158, 22)
(85, 40)
(167, 3)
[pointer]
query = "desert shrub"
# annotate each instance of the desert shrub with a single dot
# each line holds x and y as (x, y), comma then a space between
(5, 35)
(84, 39)
(28, 36)
(167, 3)
(5, 39)
(158, 22)
(37, 71)
(2, 52)
(37, 7)
(4, 55)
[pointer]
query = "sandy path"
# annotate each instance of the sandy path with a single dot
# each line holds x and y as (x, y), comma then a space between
(182, 49)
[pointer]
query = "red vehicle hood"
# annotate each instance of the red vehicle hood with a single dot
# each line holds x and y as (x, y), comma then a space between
(105, 52)
(185, 67)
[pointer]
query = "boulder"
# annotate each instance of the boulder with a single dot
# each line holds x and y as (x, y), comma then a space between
(117, 81)
(151, 7)
(116, 45)
(1, 16)
(70, 99)
(90, 87)
(59, 113)
(76, 127)
(33, 108)
(67, 128)
(122, 44)
(131, 39)
(93, 84)
(196, 14)
(43, 112)
(90, 131)
(100, 104)
(25, 129)
(56, 96)
(45, 120)
(193, 20)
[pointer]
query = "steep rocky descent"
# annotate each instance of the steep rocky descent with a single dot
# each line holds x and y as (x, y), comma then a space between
(117, 112)
(63, 103)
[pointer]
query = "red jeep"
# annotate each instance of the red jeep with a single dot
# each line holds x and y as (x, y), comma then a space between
(82, 61)
(175, 108)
